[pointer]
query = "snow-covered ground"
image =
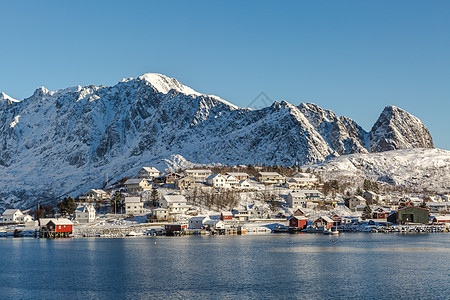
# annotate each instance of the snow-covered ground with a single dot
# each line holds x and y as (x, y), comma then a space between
(417, 169)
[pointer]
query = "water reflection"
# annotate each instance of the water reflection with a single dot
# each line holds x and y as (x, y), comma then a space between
(275, 266)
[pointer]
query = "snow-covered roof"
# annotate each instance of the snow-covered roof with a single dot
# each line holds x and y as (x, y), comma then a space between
(10, 212)
(270, 174)
(84, 208)
(212, 176)
(302, 179)
(198, 170)
(326, 219)
(61, 221)
(300, 217)
(237, 173)
(97, 191)
(201, 218)
(132, 199)
(174, 198)
(134, 181)
(150, 169)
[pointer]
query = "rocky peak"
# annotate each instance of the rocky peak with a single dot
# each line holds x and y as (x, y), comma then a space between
(398, 129)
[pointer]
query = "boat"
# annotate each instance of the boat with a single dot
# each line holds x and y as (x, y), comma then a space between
(280, 229)
(329, 231)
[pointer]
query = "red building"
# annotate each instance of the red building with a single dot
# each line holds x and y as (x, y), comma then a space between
(324, 222)
(298, 221)
(336, 219)
(55, 228)
(381, 213)
(226, 216)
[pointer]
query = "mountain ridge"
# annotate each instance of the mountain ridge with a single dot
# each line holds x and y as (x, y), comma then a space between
(62, 140)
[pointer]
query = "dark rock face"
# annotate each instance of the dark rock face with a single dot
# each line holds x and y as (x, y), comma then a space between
(397, 129)
(63, 142)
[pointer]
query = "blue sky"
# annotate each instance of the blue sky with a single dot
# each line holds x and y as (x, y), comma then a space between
(353, 57)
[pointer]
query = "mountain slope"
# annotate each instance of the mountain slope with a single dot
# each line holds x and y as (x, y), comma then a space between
(58, 143)
(417, 169)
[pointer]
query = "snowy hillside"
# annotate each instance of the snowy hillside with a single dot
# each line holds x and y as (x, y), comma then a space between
(58, 143)
(417, 169)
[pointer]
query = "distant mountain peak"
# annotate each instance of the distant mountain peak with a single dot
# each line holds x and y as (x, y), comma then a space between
(4, 97)
(164, 84)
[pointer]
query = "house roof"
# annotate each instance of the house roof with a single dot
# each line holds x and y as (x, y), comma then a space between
(61, 221)
(231, 177)
(270, 174)
(227, 213)
(300, 217)
(98, 191)
(237, 173)
(174, 198)
(84, 208)
(198, 171)
(150, 169)
(198, 218)
(212, 176)
(134, 181)
(10, 212)
(132, 199)
(359, 198)
(326, 219)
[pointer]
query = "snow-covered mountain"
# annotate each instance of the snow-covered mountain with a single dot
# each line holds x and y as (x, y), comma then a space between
(58, 143)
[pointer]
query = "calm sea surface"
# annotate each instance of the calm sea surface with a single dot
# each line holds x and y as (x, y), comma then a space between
(306, 266)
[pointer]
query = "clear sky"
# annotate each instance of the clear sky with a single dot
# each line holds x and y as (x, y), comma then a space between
(353, 57)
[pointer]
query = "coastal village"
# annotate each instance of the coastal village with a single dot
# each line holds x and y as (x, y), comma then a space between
(229, 200)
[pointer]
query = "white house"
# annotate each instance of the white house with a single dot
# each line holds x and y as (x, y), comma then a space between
(197, 222)
(198, 175)
(137, 185)
(134, 206)
(232, 181)
(148, 173)
(217, 181)
(355, 201)
(161, 213)
(244, 184)
(176, 204)
(84, 214)
(296, 199)
(258, 212)
(96, 194)
(216, 224)
(301, 183)
(241, 215)
(239, 175)
(12, 216)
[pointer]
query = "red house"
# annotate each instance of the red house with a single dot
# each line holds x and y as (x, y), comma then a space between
(227, 215)
(298, 221)
(336, 219)
(55, 228)
(381, 213)
(324, 222)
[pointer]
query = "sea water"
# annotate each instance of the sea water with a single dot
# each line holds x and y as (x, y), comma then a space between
(302, 266)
